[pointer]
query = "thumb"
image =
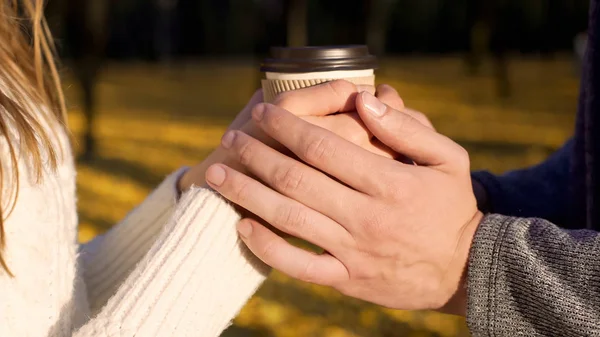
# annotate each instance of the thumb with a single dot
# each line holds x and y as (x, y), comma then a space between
(405, 134)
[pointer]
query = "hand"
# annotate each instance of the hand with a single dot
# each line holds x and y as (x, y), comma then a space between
(395, 234)
(195, 175)
(315, 105)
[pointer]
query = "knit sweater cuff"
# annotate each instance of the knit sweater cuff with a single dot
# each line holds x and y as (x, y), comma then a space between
(193, 281)
(109, 258)
(482, 271)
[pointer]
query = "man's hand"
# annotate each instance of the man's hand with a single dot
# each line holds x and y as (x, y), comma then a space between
(320, 105)
(395, 234)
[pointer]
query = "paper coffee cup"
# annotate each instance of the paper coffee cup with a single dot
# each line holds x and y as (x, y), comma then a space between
(299, 67)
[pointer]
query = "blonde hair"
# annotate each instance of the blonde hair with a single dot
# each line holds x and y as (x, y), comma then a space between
(29, 78)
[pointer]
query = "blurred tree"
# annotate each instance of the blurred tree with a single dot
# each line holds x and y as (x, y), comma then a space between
(164, 31)
(533, 14)
(86, 32)
(378, 23)
(341, 21)
(421, 17)
(270, 31)
(297, 25)
(215, 17)
(192, 29)
(243, 28)
(271, 27)
(488, 29)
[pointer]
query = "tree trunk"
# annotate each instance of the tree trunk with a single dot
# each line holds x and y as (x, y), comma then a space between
(377, 24)
(86, 35)
(215, 18)
(164, 30)
(297, 29)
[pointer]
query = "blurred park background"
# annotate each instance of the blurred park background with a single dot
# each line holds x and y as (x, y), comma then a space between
(153, 84)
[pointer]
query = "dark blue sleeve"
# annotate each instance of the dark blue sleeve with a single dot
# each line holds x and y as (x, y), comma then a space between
(540, 191)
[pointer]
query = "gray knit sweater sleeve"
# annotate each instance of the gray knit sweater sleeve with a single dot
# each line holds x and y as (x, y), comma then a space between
(539, 191)
(528, 277)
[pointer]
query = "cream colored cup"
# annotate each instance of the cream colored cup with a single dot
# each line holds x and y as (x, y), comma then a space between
(295, 68)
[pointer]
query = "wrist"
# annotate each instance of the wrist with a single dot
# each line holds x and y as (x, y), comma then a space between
(195, 176)
(457, 304)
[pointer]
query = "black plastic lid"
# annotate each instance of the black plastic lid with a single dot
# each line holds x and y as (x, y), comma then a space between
(315, 59)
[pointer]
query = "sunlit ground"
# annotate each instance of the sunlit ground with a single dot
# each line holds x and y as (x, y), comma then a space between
(152, 120)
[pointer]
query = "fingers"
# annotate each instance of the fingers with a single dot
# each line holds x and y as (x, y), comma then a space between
(350, 127)
(319, 100)
(418, 116)
(293, 261)
(320, 148)
(291, 177)
(244, 115)
(281, 212)
(256, 98)
(389, 96)
(406, 135)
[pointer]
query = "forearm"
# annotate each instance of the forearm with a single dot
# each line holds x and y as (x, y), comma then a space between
(539, 191)
(193, 280)
(529, 277)
(108, 259)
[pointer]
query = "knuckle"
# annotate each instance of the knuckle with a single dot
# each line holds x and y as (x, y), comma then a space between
(308, 273)
(318, 149)
(241, 191)
(463, 160)
(408, 125)
(245, 152)
(284, 99)
(396, 192)
(274, 121)
(269, 250)
(401, 185)
(373, 221)
(340, 87)
(419, 116)
(288, 178)
(402, 119)
(293, 219)
(258, 108)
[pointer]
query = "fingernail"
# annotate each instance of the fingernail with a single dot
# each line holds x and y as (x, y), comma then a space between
(215, 175)
(373, 104)
(228, 139)
(245, 229)
(258, 112)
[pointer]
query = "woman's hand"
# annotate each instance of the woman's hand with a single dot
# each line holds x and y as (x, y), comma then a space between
(317, 105)
(195, 175)
(395, 234)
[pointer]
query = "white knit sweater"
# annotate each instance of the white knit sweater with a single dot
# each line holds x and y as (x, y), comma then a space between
(170, 268)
